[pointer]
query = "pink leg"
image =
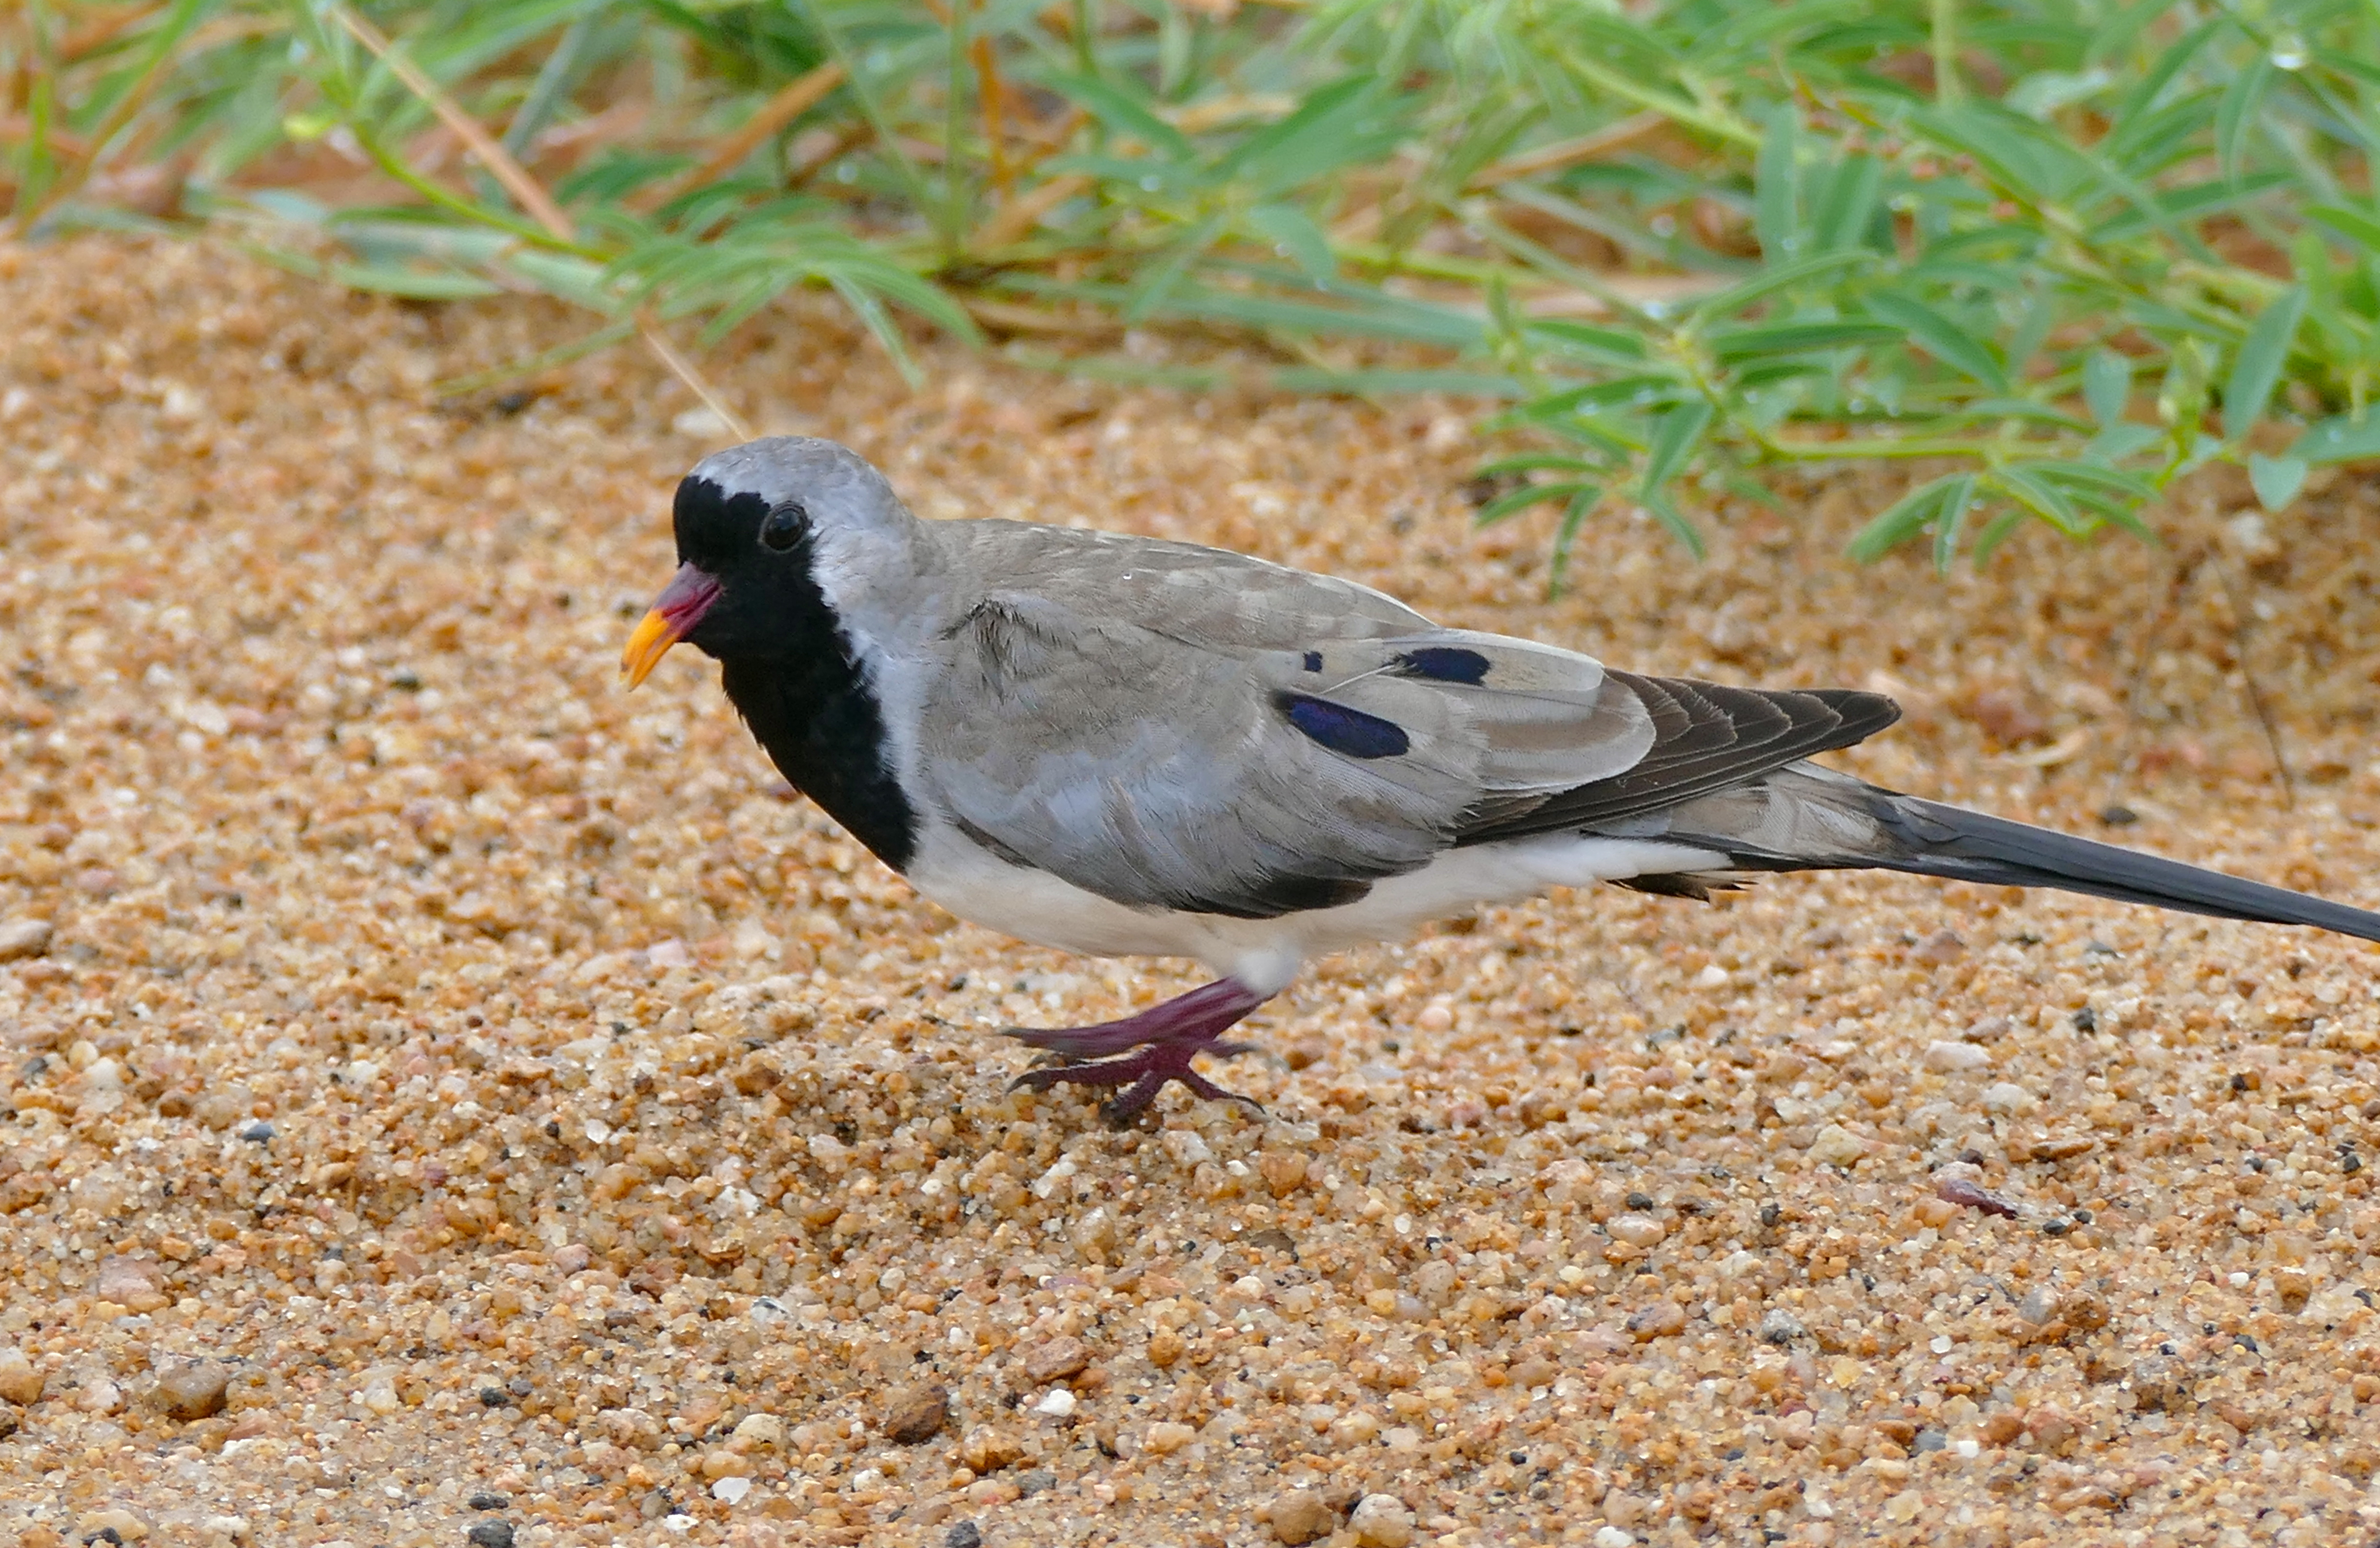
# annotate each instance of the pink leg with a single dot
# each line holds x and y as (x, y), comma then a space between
(1155, 1046)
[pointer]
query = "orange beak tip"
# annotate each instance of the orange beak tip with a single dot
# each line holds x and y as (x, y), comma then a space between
(647, 645)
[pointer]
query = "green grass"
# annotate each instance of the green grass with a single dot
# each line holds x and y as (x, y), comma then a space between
(2056, 254)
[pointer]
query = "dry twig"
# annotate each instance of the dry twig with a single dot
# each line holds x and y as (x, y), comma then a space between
(515, 180)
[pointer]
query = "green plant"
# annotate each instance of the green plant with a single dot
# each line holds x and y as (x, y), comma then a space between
(2074, 290)
(2057, 253)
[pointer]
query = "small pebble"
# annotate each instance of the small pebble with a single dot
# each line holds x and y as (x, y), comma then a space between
(484, 1500)
(1953, 1056)
(23, 937)
(1299, 1517)
(2007, 1096)
(1941, 946)
(731, 1490)
(917, 1414)
(491, 1534)
(1614, 1537)
(1381, 1522)
(259, 1132)
(963, 1535)
(1837, 1147)
(1056, 1403)
(1031, 1483)
(1055, 1360)
(21, 1383)
(194, 1390)
(1637, 1230)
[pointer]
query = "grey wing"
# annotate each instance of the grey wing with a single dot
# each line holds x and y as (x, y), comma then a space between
(1161, 771)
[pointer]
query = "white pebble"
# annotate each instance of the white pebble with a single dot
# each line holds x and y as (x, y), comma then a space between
(23, 937)
(1614, 1537)
(1381, 1522)
(1058, 1404)
(2007, 1096)
(1946, 1055)
(1837, 1146)
(731, 1490)
(1636, 1230)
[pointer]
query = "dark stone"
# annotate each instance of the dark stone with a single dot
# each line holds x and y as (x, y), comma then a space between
(491, 1534)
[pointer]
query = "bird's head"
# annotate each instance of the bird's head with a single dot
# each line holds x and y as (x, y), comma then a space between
(759, 527)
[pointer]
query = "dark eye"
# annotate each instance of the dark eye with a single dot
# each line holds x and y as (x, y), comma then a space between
(783, 528)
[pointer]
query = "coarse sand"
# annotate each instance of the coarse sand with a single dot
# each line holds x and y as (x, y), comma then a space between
(447, 1094)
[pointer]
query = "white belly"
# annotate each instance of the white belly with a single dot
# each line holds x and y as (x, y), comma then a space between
(1265, 954)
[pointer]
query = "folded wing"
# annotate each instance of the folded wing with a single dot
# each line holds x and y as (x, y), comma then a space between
(1279, 775)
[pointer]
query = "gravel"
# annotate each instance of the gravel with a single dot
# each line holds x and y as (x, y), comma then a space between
(605, 1077)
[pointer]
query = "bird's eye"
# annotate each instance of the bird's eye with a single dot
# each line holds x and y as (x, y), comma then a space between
(781, 529)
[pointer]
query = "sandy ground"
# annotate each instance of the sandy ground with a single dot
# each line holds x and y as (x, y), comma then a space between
(448, 1094)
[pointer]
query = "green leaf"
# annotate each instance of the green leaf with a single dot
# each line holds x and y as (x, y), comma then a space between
(1775, 277)
(1534, 462)
(2117, 442)
(2106, 385)
(413, 284)
(1996, 532)
(2344, 439)
(1301, 241)
(2237, 115)
(1777, 219)
(1941, 338)
(2257, 368)
(1167, 272)
(1846, 206)
(2354, 224)
(1610, 343)
(1898, 522)
(2043, 498)
(1666, 512)
(1734, 345)
(1675, 434)
(1527, 495)
(1597, 397)
(1123, 114)
(2072, 476)
(2275, 480)
(1583, 502)
(1957, 501)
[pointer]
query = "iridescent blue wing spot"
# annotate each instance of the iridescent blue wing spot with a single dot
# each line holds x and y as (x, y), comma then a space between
(1444, 663)
(1349, 733)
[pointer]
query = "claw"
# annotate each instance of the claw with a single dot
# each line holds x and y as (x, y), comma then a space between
(1148, 1050)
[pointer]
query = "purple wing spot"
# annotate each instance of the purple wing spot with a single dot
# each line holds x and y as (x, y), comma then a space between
(1349, 732)
(1314, 661)
(1444, 663)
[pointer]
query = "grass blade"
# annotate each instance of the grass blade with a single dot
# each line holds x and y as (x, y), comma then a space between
(1941, 338)
(2257, 366)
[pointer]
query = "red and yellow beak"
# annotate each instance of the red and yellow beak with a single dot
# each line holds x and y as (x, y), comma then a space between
(675, 613)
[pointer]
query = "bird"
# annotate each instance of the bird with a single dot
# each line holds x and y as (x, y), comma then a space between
(1118, 746)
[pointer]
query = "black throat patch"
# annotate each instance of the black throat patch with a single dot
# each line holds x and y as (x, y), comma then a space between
(806, 698)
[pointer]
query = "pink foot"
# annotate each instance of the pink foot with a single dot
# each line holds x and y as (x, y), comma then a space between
(1153, 1047)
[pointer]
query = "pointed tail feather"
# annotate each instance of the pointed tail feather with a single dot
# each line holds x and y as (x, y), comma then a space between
(1938, 840)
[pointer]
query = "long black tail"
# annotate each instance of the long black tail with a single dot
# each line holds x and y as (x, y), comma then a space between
(1938, 840)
